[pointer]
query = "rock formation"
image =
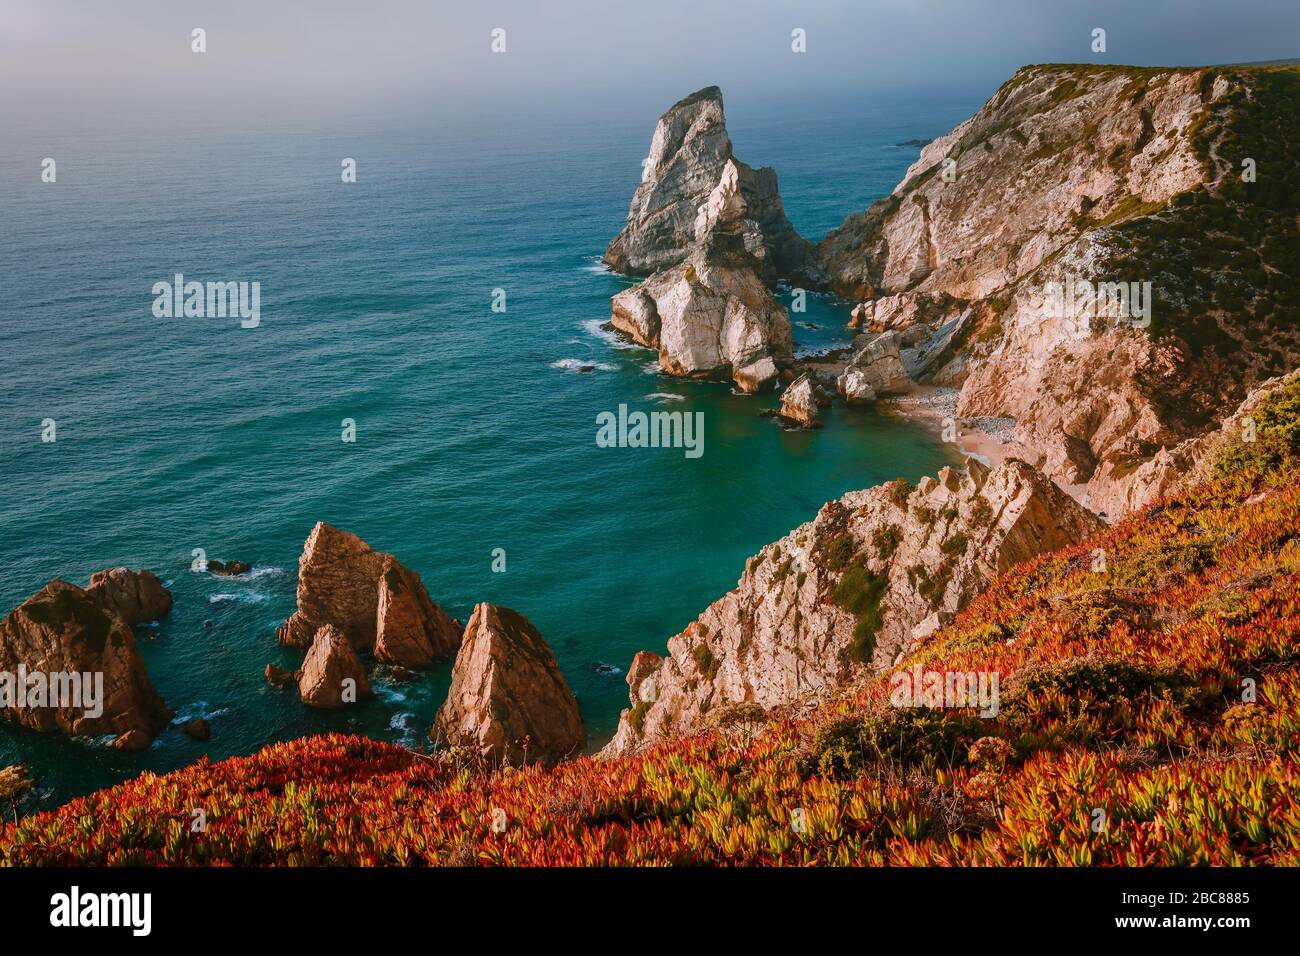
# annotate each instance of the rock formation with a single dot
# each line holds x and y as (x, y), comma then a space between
(708, 321)
(508, 700)
(61, 631)
(875, 369)
(799, 405)
(332, 675)
(229, 569)
(1106, 175)
(1185, 464)
(690, 154)
(370, 597)
(134, 596)
(875, 571)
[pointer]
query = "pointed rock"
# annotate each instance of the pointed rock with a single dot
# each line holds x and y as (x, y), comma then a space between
(330, 664)
(799, 404)
(372, 598)
(690, 153)
(508, 699)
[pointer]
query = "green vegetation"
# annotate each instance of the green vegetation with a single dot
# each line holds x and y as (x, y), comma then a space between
(859, 592)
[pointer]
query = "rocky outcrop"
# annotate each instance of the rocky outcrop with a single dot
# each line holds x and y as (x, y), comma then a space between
(60, 631)
(708, 321)
(508, 700)
(799, 404)
(229, 569)
(874, 573)
(1103, 175)
(134, 596)
(332, 675)
(690, 155)
(1187, 463)
(371, 598)
(875, 369)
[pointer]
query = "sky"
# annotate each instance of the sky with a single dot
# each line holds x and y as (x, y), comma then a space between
(72, 63)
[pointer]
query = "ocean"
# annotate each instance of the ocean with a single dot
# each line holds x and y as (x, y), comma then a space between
(475, 429)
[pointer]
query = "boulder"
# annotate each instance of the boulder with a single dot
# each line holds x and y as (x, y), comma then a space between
(133, 741)
(372, 598)
(64, 630)
(508, 700)
(197, 729)
(875, 369)
(330, 664)
(411, 631)
(229, 569)
(134, 596)
(690, 156)
(279, 677)
(799, 405)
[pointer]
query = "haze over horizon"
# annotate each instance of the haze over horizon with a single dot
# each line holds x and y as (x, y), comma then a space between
(81, 64)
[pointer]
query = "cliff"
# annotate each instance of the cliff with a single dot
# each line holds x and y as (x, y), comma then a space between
(1180, 178)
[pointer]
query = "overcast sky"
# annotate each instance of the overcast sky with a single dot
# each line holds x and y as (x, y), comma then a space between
(89, 62)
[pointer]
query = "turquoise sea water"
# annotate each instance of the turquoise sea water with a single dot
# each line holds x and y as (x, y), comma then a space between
(475, 430)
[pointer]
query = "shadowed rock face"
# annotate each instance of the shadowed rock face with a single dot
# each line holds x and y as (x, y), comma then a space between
(62, 629)
(507, 689)
(689, 152)
(380, 605)
(904, 562)
(134, 596)
(330, 664)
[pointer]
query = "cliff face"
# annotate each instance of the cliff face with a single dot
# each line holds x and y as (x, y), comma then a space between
(1098, 175)
(688, 153)
(875, 572)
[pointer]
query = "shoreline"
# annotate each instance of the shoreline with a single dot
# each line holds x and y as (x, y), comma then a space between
(990, 440)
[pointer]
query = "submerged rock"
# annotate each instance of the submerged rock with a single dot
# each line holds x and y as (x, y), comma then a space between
(332, 675)
(197, 729)
(134, 596)
(229, 569)
(61, 631)
(372, 598)
(508, 700)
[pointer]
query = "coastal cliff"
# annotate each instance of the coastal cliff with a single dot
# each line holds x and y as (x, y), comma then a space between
(1170, 191)
(1164, 689)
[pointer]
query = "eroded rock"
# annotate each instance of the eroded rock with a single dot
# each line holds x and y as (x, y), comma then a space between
(134, 596)
(508, 700)
(376, 602)
(332, 675)
(63, 630)
(874, 573)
